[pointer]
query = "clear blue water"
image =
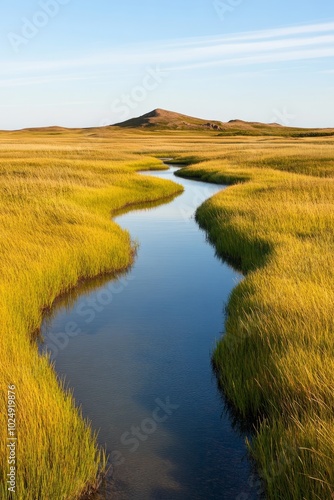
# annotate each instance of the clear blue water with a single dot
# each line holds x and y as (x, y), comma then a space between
(137, 355)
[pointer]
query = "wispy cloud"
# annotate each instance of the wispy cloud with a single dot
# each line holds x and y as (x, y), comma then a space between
(260, 47)
(255, 35)
(296, 55)
(42, 80)
(52, 105)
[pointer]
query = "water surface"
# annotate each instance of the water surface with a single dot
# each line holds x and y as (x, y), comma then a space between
(137, 356)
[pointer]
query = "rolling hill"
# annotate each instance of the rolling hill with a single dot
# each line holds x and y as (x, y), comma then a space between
(161, 119)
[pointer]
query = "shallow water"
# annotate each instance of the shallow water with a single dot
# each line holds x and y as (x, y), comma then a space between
(137, 355)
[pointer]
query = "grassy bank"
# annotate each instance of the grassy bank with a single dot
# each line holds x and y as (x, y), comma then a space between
(57, 193)
(276, 361)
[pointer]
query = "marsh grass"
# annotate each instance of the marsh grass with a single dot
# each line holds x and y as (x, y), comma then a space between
(58, 189)
(56, 228)
(276, 360)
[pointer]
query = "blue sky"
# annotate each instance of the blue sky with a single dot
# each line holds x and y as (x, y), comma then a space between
(90, 63)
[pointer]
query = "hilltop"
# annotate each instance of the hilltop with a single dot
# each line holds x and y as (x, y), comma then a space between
(170, 120)
(161, 119)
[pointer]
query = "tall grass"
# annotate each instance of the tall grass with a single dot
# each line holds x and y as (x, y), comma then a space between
(56, 201)
(58, 189)
(276, 361)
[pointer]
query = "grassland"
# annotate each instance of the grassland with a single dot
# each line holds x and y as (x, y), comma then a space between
(276, 362)
(58, 189)
(57, 194)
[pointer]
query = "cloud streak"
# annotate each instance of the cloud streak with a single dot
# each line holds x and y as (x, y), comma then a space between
(260, 47)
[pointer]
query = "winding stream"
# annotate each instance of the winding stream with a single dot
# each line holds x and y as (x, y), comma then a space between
(137, 356)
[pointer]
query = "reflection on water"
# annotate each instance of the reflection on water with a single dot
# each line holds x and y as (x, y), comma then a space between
(136, 349)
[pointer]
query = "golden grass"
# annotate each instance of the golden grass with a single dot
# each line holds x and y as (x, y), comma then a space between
(56, 228)
(276, 361)
(58, 189)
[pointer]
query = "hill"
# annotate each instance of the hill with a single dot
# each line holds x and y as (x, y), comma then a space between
(162, 119)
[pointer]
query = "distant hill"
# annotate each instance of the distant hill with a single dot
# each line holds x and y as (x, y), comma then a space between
(162, 119)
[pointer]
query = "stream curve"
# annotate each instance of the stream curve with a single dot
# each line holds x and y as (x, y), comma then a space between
(139, 360)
